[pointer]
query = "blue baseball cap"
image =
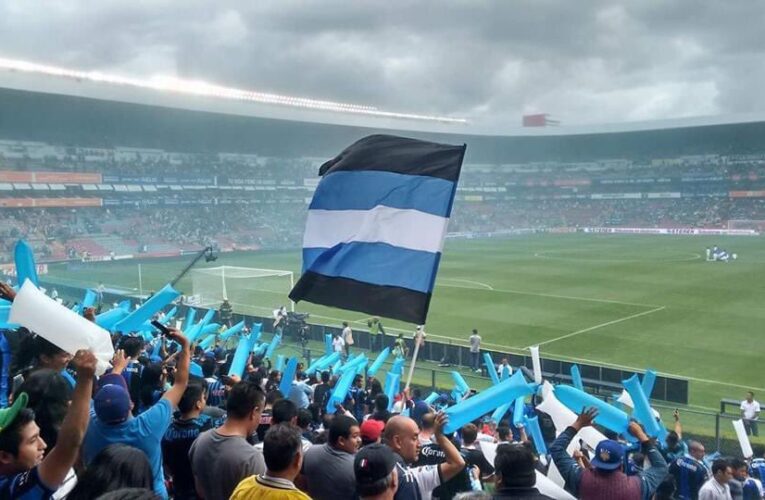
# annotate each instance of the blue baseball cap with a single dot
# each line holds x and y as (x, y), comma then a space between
(112, 404)
(608, 455)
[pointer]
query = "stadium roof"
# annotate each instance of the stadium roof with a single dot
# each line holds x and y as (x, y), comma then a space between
(201, 96)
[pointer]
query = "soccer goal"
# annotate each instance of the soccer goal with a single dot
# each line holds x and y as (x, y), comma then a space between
(249, 290)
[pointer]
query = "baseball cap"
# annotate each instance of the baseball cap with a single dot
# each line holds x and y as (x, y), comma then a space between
(372, 463)
(608, 455)
(371, 429)
(8, 415)
(112, 404)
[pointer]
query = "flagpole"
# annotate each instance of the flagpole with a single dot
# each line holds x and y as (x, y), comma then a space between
(417, 342)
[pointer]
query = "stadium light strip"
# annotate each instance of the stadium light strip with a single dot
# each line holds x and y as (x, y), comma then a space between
(204, 89)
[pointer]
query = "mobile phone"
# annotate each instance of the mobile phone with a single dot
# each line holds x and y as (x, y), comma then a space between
(159, 326)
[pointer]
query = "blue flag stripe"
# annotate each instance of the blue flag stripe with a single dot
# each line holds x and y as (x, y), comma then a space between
(363, 190)
(375, 263)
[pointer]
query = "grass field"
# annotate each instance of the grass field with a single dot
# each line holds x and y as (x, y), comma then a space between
(631, 301)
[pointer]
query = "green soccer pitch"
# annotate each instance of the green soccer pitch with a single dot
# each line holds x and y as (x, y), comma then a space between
(626, 301)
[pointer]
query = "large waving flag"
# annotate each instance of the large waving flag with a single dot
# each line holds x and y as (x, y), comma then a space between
(376, 227)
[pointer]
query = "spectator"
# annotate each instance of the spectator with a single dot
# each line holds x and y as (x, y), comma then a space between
(743, 487)
(504, 368)
(371, 431)
(179, 437)
(750, 413)
(24, 470)
(516, 474)
(475, 351)
(473, 454)
(716, 488)
(266, 416)
(300, 392)
(605, 478)
(381, 412)
(116, 466)
(285, 411)
(49, 397)
(358, 398)
(666, 489)
(321, 392)
(283, 458)
(338, 344)
(216, 391)
(690, 472)
(675, 446)
(347, 338)
(304, 419)
(113, 422)
(401, 436)
(374, 468)
(328, 469)
(420, 407)
(427, 426)
(220, 458)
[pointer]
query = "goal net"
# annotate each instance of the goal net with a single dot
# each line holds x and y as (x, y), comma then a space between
(757, 225)
(249, 290)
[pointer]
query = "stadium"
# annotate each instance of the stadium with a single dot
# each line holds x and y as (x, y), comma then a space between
(587, 241)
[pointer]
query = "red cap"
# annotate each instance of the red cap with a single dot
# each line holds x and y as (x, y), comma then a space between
(371, 430)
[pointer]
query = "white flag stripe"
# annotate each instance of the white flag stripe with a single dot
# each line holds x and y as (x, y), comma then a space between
(404, 228)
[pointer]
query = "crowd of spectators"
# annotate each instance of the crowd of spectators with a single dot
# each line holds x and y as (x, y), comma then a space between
(165, 421)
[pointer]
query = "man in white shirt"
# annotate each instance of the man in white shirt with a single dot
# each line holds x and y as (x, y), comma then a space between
(338, 344)
(475, 351)
(717, 487)
(750, 412)
(418, 483)
(347, 338)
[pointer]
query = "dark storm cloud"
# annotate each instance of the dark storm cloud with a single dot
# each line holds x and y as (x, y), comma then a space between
(583, 61)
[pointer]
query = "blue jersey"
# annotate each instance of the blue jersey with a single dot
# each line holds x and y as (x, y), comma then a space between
(24, 486)
(216, 392)
(690, 474)
(757, 468)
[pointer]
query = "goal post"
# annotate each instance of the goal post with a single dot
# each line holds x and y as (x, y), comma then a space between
(248, 289)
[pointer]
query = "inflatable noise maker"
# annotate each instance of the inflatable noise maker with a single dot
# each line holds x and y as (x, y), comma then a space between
(576, 377)
(518, 411)
(490, 368)
(279, 363)
(148, 309)
(340, 391)
(327, 343)
(432, 398)
(536, 363)
(273, 345)
(378, 362)
(196, 331)
(241, 354)
(461, 388)
(111, 317)
(191, 313)
(642, 408)
(288, 376)
(392, 386)
(743, 439)
(323, 363)
(562, 417)
(471, 408)
(60, 326)
(207, 342)
(232, 331)
(26, 269)
(398, 366)
(354, 364)
(609, 417)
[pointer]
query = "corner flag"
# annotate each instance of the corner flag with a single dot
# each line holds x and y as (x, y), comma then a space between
(376, 227)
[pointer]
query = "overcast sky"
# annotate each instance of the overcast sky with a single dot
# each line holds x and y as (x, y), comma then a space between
(582, 61)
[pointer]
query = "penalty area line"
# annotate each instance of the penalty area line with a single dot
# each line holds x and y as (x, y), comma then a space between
(602, 325)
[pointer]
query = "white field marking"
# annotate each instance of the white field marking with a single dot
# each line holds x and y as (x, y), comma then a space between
(607, 323)
(556, 296)
(552, 256)
(478, 283)
(519, 350)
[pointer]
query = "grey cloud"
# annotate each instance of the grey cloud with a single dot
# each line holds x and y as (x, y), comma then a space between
(584, 61)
